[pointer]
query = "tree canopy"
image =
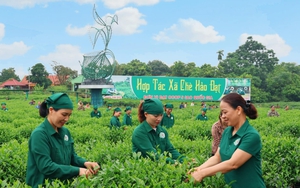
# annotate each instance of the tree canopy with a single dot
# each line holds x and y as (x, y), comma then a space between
(6, 74)
(137, 68)
(39, 75)
(63, 73)
(253, 58)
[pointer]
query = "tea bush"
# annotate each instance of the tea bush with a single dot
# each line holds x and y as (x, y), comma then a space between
(95, 141)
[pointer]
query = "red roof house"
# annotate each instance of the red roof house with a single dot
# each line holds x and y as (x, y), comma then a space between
(13, 84)
(54, 79)
(25, 81)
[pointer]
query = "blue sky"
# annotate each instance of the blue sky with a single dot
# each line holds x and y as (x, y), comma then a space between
(43, 31)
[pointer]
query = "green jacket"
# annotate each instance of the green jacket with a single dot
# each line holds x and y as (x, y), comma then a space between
(146, 140)
(115, 122)
(127, 120)
(97, 114)
(51, 155)
(201, 117)
(167, 121)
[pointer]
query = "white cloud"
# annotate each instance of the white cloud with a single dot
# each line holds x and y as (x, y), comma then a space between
(75, 31)
(189, 30)
(24, 3)
(21, 71)
(86, 1)
(15, 49)
(2, 31)
(112, 4)
(66, 55)
(20, 4)
(129, 21)
(116, 4)
(270, 41)
(10, 50)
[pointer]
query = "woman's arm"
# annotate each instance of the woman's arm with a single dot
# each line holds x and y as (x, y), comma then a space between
(211, 161)
(238, 158)
(216, 138)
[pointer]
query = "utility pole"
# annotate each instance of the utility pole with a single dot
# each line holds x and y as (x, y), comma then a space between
(28, 79)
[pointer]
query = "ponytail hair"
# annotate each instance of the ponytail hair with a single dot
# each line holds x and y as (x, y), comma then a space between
(235, 100)
(44, 111)
(141, 113)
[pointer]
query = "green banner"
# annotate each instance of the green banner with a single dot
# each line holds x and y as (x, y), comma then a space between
(178, 88)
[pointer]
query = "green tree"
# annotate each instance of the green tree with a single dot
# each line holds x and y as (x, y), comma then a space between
(6, 74)
(220, 55)
(39, 75)
(196, 72)
(208, 71)
(283, 82)
(137, 68)
(257, 95)
(178, 69)
(64, 74)
(158, 68)
(189, 69)
(119, 69)
(253, 58)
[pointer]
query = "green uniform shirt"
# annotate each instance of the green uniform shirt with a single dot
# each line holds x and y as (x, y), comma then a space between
(51, 155)
(97, 114)
(167, 121)
(201, 117)
(4, 109)
(249, 175)
(115, 122)
(146, 140)
(127, 119)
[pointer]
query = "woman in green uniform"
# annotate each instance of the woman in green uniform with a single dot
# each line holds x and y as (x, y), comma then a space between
(114, 121)
(239, 154)
(108, 107)
(202, 116)
(96, 113)
(3, 106)
(168, 119)
(51, 153)
(149, 135)
(127, 119)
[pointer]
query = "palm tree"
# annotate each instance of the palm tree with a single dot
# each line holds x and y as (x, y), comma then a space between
(220, 55)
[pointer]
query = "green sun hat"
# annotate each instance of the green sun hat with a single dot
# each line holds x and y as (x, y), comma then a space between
(127, 108)
(153, 106)
(117, 109)
(3, 103)
(204, 109)
(95, 107)
(59, 101)
(169, 105)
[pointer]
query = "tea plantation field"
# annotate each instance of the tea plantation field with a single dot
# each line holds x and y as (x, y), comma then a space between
(120, 168)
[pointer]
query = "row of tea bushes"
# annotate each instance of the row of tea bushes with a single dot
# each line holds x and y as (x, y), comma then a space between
(120, 168)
